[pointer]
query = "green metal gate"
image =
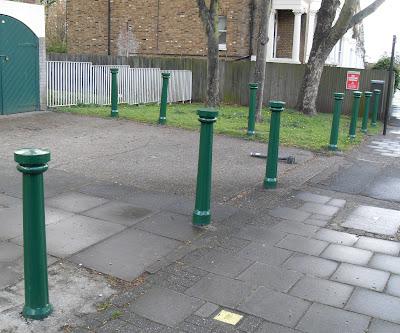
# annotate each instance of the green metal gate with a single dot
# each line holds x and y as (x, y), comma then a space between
(19, 67)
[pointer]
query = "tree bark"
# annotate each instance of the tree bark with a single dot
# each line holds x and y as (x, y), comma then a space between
(209, 18)
(326, 37)
(261, 61)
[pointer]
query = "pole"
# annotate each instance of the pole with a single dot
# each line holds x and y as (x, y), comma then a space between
(364, 127)
(114, 92)
(389, 90)
(32, 163)
(374, 117)
(202, 214)
(251, 124)
(335, 121)
(164, 99)
(354, 114)
(270, 180)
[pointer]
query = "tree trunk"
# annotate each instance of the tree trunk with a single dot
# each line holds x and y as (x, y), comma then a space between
(261, 61)
(213, 70)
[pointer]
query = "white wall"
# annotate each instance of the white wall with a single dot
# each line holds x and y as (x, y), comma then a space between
(31, 15)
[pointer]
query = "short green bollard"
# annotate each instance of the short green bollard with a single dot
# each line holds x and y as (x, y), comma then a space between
(377, 97)
(164, 99)
(335, 121)
(364, 127)
(354, 114)
(251, 124)
(201, 213)
(270, 180)
(114, 92)
(33, 163)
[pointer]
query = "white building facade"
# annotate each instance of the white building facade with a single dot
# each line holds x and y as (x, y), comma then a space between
(291, 32)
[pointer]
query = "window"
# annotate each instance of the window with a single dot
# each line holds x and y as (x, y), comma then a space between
(222, 32)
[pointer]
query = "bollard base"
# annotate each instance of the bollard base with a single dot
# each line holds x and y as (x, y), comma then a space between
(38, 313)
(333, 147)
(162, 120)
(114, 113)
(270, 183)
(201, 218)
(352, 137)
(373, 124)
(251, 133)
(364, 130)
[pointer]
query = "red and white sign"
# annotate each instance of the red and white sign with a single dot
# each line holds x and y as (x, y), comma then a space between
(353, 80)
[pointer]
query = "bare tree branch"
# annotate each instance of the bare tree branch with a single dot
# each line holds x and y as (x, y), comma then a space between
(203, 11)
(362, 14)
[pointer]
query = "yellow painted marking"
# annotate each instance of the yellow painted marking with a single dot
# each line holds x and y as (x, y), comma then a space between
(228, 317)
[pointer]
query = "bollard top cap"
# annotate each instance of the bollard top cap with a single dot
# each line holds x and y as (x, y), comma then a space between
(166, 75)
(377, 91)
(357, 94)
(367, 93)
(207, 113)
(32, 156)
(253, 85)
(277, 106)
(114, 70)
(339, 95)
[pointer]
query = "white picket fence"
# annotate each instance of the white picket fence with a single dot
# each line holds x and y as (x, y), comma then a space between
(73, 83)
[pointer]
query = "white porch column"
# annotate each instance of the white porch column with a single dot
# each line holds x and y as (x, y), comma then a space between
(310, 32)
(271, 35)
(296, 35)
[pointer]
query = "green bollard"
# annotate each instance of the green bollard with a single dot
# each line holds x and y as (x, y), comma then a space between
(114, 92)
(33, 163)
(164, 99)
(270, 180)
(354, 114)
(201, 213)
(364, 127)
(335, 121)
(251, 124)
(377, 97)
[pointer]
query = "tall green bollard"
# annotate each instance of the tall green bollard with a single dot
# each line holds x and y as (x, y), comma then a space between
(201, 213)
(251, 124)
(33, 163)
(364, 127)
(354, 114)
(164, 98)
(114, 92)
(270, 180)
(335, 121)
(377, 97)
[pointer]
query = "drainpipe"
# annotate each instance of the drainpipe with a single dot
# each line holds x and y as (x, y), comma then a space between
(109, 28)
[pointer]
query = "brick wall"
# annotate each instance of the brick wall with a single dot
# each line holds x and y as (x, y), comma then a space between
(170, 27)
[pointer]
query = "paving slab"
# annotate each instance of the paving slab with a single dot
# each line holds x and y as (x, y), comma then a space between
(347, 254)
(275, 306)
(75, 202)
(165, 306)
(220, 263)
(317, 208)
(269, 276)
(378, 245)
(264, 253)
(393, 286)
(275, 328)
(361, 276)
(295, 228)
(118, 212)
(287, 213)
(126, 254)
(171, 225)
(310, 265)
(337, 203)
(322, 291)
(260, 234)
(302, 244)
(7, 201)
(322, 318)
(10, 252)
(207, 310)
(384, 188)
(321, 217)
(317, 223)
(375, 304)
(311, 197)
(386, 263)
(337, 237)
(220, 290)
(381, 326)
